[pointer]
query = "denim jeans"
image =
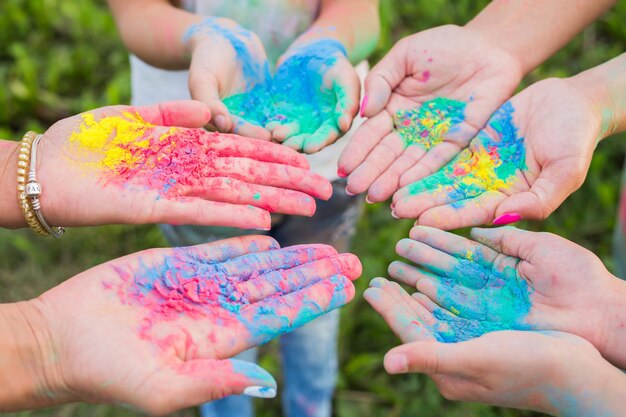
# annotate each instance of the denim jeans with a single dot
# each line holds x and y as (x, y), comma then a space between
(309, 354)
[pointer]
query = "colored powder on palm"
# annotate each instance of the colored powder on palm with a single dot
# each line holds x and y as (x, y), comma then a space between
(296, 94)
(490, 163)
(492, 299)
(429, 125)
(129, 151)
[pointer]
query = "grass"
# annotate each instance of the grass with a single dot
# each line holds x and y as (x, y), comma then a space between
(59, 58)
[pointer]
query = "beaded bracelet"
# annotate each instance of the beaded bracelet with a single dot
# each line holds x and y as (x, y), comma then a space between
(28, 189)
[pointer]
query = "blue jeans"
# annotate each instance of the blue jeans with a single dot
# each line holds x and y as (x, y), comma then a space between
(309, 354)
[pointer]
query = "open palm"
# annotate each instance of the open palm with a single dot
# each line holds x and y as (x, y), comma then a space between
(447, 62)
(534, 152)
(156, 329)
(128, 165)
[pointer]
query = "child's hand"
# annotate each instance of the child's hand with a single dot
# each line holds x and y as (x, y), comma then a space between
(534, 152)
(315, 94)
(512, 280)
(226, 60)
(127, 165)
(472, 76)
(155, 330)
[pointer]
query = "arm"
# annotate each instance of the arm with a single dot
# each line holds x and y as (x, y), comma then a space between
(354, 23)
(534, 30)
(605, 87)
(11, 215)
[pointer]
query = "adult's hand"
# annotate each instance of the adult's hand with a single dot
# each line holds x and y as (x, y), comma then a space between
(426, 99)
(534, 152)
(128, 165)
(155, 330)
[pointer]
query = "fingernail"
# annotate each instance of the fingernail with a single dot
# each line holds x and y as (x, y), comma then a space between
(220, 123)
(349, 193)
(367, 200)
(506, 218)
(341, 173)
(396, 363)
(394, 215)
(363, 105)
(258, 391)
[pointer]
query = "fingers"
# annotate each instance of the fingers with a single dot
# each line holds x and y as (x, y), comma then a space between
(254, 264)
(463, 213)
(274, 175)
(325, 135)
(274, 316)
(427, 357)
(554, 184)
(225, 249)
(197, 381)
(509, 240)
(406, 274)
(376, 163)
(407, 319)
(195, 211)
(433, 160)
(245, 128)
(364, 140)
(280, 132)
(383, 78)
(285, 281)
(234, 145)
(273, 200)
(183, 113)
(389, 182)
(347, 88)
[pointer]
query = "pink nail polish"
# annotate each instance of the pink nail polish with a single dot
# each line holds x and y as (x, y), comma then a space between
(363, 105)
(341, 173)
(506, 218)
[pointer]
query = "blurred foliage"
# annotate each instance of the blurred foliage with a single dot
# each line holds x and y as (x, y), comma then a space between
(63, 57)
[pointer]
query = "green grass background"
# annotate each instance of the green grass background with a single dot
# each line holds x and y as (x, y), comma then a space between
(58, 58)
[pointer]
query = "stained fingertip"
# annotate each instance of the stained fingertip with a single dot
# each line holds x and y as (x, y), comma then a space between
(378, 282)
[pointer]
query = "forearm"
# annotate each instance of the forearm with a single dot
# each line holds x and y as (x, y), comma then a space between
(605, 87)
(27, 374)
(354, 23)
(10, 213)
(533, 30)
(154, 31)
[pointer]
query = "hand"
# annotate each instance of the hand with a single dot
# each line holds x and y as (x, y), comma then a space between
(125, 165)
(226, 60)
(154, 330)
(512, 280)
(534, 152)
(426, 99)
(311, 100)
(521, 369)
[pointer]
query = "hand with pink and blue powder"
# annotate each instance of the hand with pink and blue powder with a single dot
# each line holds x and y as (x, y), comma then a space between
(504, 279)
(435, 90)
(155, 330)
(156, 164)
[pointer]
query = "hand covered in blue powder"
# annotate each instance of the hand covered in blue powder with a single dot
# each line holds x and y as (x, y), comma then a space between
(309, 102)
(451, 62)
(552, 372)
(226, 59)
(508, 279)
(155, 330)
(534, 152)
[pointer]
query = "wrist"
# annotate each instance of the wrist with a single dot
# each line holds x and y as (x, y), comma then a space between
(612, 337)
(11, 216)
(30, 375)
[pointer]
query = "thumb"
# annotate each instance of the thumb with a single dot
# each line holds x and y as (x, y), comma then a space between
(206, 88)
(197, 381)
(509, 240)
(182, 113)
(427, 357)
(383, 78)
(554, 184)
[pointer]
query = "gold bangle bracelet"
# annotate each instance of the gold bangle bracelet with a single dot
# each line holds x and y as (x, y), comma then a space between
(23, 165)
